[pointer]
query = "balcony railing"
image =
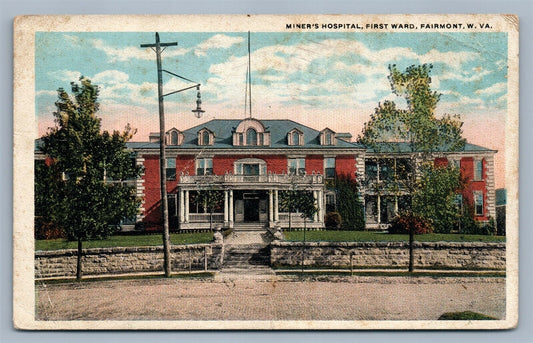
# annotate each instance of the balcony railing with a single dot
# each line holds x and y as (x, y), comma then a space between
(267, 179)
(204, 217)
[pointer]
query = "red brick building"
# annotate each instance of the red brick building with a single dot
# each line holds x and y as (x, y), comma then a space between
(251, 161)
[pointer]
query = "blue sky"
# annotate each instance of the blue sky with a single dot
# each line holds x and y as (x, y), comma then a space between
(332, 79)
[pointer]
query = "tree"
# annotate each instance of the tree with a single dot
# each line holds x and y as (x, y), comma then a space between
(435, 195)
(210, 199)
(417, 125)
(424, 133)
(347, 202)
(86, 193)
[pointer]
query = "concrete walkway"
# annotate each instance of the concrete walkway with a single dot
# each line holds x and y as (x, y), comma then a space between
(247, 237)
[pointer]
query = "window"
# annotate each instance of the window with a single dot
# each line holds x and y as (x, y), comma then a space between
(240, 139)
(205, 138)
(251, 137)
(371, 170)
(250, 169)
(328, 138)
(171, 169)
(204, 166)
(329, 167)
(173, 138)
(297, 166)
(478, 203)
(330, 202)
(295, 138)
(456, 163)
(250, 166)
(478, 170)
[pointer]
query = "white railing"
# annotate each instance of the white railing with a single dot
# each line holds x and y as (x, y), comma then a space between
(204, 217)
(269, 178)
(295, 217)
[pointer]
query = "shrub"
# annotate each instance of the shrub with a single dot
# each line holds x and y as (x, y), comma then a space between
(47, 230)
(333, 220)
(404, 221)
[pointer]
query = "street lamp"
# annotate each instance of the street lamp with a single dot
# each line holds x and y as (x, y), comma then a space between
(162, 144)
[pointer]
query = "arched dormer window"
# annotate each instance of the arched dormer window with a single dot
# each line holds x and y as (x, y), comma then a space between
(295, 137)
(174, 137)
(251, 137)
(327, 137)
(251, 132)
(206, 137)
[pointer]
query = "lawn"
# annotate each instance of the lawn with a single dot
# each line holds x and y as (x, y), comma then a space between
(126, 241)
(367, 236)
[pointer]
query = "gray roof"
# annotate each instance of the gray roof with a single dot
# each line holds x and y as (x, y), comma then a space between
(405, 147)
(224, 128)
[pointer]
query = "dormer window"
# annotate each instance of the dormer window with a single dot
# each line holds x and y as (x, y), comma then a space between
(206, 137)
(251, 132)
(295, 137)
(174, 137)
(251, 137)
(327, 137)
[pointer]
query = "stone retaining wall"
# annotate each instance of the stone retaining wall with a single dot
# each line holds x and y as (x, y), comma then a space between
(107, 261)
(444, 255)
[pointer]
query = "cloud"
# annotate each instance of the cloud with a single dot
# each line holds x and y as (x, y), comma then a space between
(496, 88)
(65, 75)
(110, 77)
(125, 54)
(218, 41)
(46, 93)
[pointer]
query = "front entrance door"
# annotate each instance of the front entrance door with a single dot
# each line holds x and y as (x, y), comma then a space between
(251, 210)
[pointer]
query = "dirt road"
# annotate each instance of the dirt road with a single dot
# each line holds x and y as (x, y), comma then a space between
(349, 298)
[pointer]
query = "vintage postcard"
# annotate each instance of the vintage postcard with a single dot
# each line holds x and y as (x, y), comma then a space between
(266, 172)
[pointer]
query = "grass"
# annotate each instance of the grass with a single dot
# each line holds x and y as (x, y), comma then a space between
(196, 274)
(327, 273)
(467, 315)
(368, 236)
(126, 241)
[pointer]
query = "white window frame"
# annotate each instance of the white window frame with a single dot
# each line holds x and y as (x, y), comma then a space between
(299, 163)
(478, 196)
(326, 166)
(167, 167)
(201, 164)
(478, 174)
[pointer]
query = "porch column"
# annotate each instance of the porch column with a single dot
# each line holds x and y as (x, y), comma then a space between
(182, 206)
(320, 206)
(379, 209)
(315, 197)
(270, 206)
(276, 213)
(186, 206)
(230, 214)
(226, 210)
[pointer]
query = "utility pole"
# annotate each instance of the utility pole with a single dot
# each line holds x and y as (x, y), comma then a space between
(162, 157)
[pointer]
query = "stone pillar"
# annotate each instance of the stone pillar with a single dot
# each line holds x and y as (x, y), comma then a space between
(276, 206)
(230, 214)
(226, 209)
(182, 206)
(186, 206)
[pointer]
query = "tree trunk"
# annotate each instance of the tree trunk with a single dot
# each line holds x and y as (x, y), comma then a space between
(79, 272)
(411, 253)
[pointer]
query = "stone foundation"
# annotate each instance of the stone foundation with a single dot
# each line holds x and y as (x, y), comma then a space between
(438, 255)
(108, 261)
